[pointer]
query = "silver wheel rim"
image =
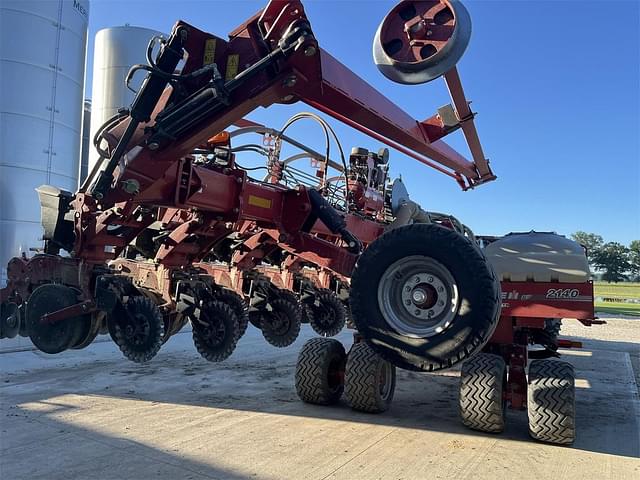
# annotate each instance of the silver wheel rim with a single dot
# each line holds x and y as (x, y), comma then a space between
(418, 296)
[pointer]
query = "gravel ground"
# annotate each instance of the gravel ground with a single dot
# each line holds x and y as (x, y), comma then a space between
(93, 415)
(619, 334)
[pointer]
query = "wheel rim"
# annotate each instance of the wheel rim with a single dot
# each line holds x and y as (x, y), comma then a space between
(213, 331)
(386, 380)
(137, 331)
(280, 323)
(418, 296)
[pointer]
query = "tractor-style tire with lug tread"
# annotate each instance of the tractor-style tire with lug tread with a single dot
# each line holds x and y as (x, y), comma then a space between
(237, 304)
(216, 332)
(551, 401)
(320, 371)
(329, 316)
(281, 326)
(370, 380)
(469, 307)
(482, 386)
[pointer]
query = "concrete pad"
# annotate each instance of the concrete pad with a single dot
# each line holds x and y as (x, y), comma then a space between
(93, 414)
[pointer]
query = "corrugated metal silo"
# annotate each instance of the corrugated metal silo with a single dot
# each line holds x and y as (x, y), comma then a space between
(42, 65)
(86, 145)
(116, 50)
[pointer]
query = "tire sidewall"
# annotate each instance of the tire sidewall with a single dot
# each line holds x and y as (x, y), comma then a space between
(478, 292)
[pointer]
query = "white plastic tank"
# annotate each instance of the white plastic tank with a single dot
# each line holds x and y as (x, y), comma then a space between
(116, 50)
(42, 65)
(538, 257)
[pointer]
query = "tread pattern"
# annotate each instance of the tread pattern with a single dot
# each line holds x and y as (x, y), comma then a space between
(329, 316)
(145, 352)
(362, 380)
(282, 306)
(217, 311)
(313, 370)
(237, 304)
(482, 380)
(551, 401)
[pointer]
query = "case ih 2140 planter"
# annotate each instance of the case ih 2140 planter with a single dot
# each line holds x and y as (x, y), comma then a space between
(167, 204)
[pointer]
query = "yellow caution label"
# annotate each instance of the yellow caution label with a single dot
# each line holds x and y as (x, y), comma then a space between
(209, 51)
(259, 201)
(232, 66)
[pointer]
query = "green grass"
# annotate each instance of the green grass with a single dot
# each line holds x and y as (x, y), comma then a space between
(619, 308)
(617, 290)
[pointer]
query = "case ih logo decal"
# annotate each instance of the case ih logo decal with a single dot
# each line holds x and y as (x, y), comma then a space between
(515, 295)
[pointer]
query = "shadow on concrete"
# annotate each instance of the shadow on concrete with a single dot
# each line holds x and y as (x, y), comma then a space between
(59, 449)
(254, 381)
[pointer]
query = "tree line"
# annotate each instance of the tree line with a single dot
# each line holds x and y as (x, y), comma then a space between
(617, 262)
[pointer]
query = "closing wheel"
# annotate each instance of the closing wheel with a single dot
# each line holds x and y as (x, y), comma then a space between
(483, 381)
(551, 401)
(237, 304)
(328, 313)
(216, 331)
(9, 320)
(281, 325)
(424, 297)
(419, 41)
(137, 328)
(370, 381)
(320, 371)
(90, 329)
(55, 337)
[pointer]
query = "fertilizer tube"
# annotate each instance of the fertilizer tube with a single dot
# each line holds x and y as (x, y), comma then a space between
(409, 212)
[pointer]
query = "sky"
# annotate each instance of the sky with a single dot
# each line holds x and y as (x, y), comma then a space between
(556, 85)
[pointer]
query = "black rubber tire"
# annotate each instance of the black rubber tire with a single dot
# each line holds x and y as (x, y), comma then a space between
(476, 317)
(551, 402)
(255, 319)
(552, 326)
(329, 316)
(289, 313)
(10, 322)
(237, 304)
(144, 350)
(483, 380)
(290, 297)
(320, 371)
(90, 329)
(221, 315)
(364, 376)
(59, 336)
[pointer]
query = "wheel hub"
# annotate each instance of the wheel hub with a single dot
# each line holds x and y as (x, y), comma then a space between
(418, 296)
